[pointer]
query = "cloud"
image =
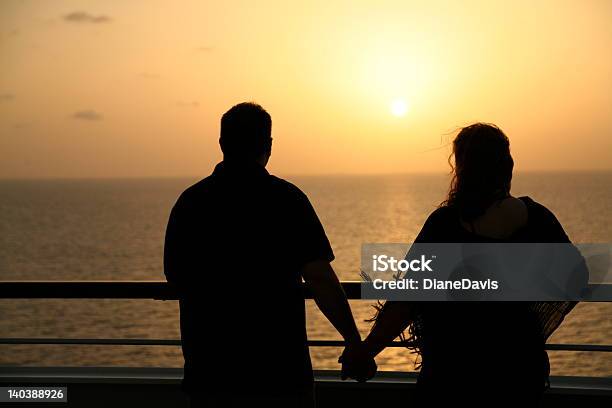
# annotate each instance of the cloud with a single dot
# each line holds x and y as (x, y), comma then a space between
(83, 17)
(87, 114)
(7, 97)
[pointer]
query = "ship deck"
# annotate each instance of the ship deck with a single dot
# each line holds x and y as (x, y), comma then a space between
(119, 387)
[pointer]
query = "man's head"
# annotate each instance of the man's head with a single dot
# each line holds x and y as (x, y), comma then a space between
(246, 133)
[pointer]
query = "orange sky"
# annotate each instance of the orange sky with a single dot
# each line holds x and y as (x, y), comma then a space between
(136, 88)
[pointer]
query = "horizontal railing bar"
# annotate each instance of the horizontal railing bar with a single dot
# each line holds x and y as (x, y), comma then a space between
(97, 342)
(156, 290)
(579, 347)
(159, 290)
(313, 343)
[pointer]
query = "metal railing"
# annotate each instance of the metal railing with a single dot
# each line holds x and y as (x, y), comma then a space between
(160, 290)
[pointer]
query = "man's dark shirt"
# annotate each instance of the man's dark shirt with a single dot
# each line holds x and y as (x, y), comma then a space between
(235, 246)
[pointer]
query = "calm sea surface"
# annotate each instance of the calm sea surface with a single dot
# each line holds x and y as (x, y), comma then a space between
(113, 229)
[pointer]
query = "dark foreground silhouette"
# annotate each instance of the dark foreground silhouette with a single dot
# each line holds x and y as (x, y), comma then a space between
(238, 245)
(477, 353)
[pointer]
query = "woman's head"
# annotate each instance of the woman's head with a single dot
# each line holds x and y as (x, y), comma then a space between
(481, 169)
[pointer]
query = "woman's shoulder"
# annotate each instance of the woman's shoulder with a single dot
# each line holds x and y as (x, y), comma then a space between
(537, 209)
(442, 214)
(440, 224)
(544, 221)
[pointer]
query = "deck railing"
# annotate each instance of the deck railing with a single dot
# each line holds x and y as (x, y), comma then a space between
(160, 290)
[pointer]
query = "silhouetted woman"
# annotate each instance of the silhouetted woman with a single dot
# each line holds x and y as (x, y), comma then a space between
(479, 353)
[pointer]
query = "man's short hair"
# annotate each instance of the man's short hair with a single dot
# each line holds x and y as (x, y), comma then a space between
(246, 131)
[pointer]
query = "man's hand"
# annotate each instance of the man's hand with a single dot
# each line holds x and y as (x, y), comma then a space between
(357, 363)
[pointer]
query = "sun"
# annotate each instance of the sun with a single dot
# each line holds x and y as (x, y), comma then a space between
(399, 107)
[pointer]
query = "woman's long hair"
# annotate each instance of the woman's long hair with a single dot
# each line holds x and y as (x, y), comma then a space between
(481, 170)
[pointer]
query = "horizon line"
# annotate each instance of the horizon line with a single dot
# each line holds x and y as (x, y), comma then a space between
(288, 175)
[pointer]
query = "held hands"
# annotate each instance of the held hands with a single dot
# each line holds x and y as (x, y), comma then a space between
(357, 363)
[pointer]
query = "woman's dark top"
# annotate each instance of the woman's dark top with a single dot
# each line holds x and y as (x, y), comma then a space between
(483, 344)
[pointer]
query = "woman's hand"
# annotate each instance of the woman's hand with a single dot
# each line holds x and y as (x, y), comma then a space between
(357, 363)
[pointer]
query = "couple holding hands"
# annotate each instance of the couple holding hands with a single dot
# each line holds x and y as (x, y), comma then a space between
(243, 325)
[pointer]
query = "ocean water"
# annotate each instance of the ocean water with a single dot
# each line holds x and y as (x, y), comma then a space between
(113, 229)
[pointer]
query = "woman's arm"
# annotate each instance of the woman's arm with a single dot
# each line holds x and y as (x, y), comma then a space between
(391, 321)
(394, 317)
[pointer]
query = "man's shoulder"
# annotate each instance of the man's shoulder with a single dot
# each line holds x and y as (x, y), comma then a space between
(196, 190)
(281, 188)
(285, 185)
(286, 189)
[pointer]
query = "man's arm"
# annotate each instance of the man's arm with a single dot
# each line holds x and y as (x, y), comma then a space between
(331, 299)
(315, 254)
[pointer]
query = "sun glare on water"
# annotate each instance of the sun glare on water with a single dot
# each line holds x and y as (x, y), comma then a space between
(399, 107)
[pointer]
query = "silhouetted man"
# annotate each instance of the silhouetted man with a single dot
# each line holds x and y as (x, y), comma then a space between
(238, 244)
